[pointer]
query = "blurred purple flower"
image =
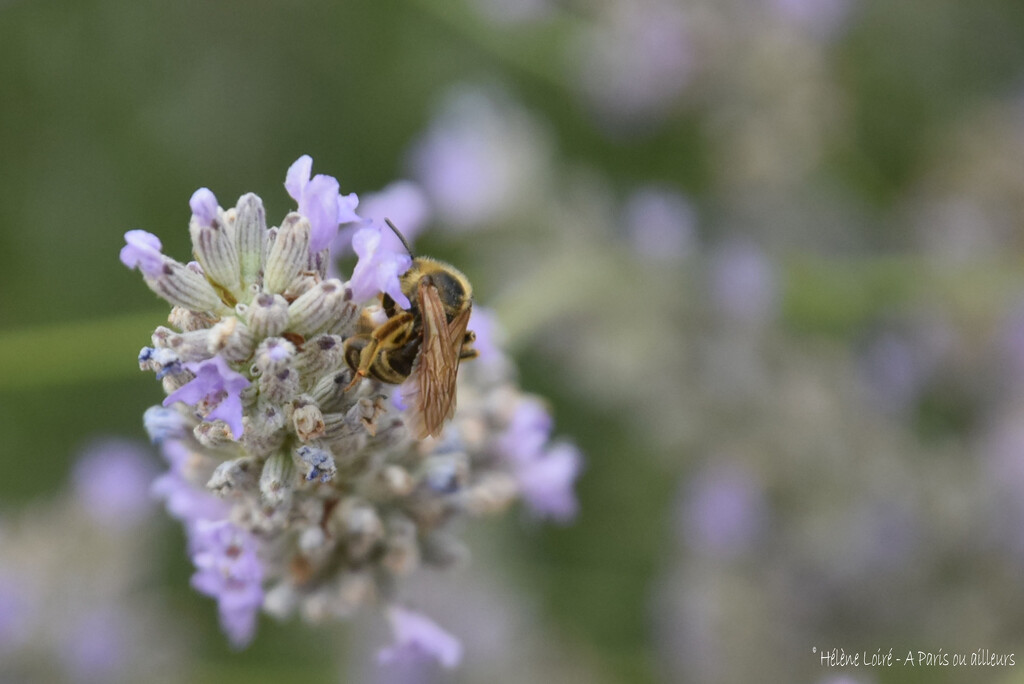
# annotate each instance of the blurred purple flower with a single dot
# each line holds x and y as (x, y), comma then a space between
(96, 645)
(1011, 340)
(183, 500)
(219, 386)
(319, 201)
(229, 570)
(547, 482)
(227, 565)
(635, 61)
(15, 611)
(1003, 452)
(112, 480)
(660, 223)
(743, 282)
(484, 324)
(821, 17)
(893, 369)
(419, 638)
(403, 202)
(480, 158)
(379, 266)
(527, 432)
(142, 251)
(723, 511)
(546, 476)
(204, 207)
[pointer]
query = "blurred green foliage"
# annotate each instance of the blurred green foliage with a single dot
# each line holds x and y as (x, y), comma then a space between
(113, 112)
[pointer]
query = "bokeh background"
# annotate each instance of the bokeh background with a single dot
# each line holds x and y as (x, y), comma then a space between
(764, 258)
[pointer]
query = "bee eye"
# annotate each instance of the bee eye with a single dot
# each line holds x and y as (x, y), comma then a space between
(450, 289)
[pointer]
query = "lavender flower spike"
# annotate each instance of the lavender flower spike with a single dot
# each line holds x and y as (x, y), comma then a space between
(418, 637)
(319, 201)
(299, 493)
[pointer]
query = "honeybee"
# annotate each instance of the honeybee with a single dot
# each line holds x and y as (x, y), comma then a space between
(425, 343)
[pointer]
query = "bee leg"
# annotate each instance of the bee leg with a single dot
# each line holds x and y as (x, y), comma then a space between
(467, 352)
(397, 327)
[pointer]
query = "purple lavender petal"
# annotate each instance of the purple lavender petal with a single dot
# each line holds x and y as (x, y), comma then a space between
(298, 176)
(378, 268)
(191, 393)
(319, 204)
(547, 482)
(228, 569)
(418, 637)
(143, 251)
(217, 383)
(204, 206)
(186, 502)
(230, 411)
(112, 481)
(319, 201)
(347, 208)
(405, 204)
(526, 433)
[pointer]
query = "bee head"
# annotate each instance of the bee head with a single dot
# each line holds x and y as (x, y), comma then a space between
(452, 286)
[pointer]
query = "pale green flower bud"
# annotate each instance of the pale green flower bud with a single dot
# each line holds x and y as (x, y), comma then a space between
(250, 238)
(268, 315)
(278, 479)
(214, 249)
(288, 255)
(325, 305)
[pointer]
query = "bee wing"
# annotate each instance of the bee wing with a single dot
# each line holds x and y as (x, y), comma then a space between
(438, 363)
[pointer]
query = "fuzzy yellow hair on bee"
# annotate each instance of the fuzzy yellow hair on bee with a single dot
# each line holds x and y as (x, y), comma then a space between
(425, 343)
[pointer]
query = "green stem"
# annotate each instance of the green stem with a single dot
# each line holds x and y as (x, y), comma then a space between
(69, 353)
(831, 296)
(533, 51)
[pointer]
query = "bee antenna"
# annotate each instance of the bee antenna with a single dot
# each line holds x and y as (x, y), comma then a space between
(400, 237)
